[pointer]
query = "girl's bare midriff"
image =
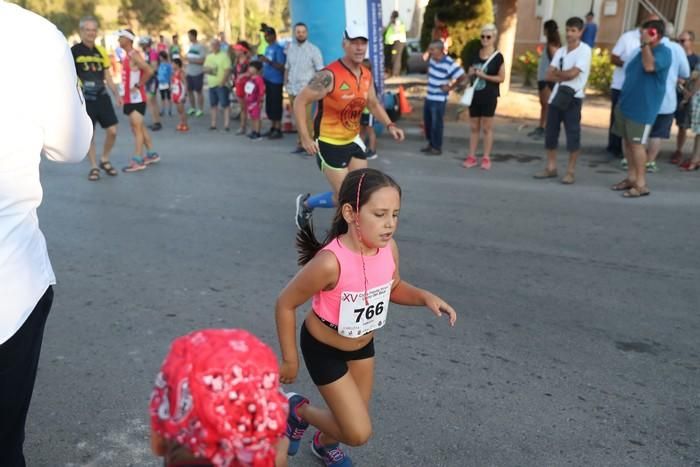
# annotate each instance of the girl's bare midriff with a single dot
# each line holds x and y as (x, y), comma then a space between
(331, 337)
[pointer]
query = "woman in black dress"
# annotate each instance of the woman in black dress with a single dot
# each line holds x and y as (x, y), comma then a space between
(487, 72)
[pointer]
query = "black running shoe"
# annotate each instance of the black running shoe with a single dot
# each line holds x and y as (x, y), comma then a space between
(303, 216)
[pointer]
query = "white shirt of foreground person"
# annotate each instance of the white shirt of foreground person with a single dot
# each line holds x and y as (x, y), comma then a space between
(43, 112)
(565, 59)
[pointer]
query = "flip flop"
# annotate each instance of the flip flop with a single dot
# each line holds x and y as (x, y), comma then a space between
(636, 192)
(622, 186)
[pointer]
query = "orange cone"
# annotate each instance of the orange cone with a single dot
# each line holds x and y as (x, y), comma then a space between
(404, 106)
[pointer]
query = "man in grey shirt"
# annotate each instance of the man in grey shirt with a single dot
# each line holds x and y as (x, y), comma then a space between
(303, 61)
(195, 74)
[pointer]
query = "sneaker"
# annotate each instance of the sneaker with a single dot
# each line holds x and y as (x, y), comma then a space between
(156, 127)
(428, 148)
(295, 425)
(198, 113)
(623, 163)
(371, 155)
(434, 152)
(275, 134)
(240, 131)
(255, 136)
(331, 455)
(135, 164)
(539, 131)
(151, 158)
(469, 162)
(303, 216)
(191, 111)
(485, 163)
(298, 150)
(652, 167)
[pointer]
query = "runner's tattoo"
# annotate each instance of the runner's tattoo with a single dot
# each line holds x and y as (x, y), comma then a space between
(321, 81)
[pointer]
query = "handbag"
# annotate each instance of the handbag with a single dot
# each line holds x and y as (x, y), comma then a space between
(468, 96)
(564, 97)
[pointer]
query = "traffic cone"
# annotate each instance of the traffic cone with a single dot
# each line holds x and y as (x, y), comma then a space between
(404, 106)
(287, 121)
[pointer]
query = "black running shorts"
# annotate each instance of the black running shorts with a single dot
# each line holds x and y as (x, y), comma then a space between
(338, 157)
(101, 111)
(327, 364)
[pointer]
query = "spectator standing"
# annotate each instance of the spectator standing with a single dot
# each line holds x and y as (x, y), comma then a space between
(273, 74)
(52, 121)
(223, 44)
(175, 48)
(240, 76)
(165, 74)
(486, 68)
(570, 68)
(303, 61)
(179, 94)
(443, 76)
(640, 101)
(442, 33)
(686, 39)
(254, 90)
(92, 65)
(152, 60)
(395, 41)
(625, 48)
(544, 87)
(590, 31)
(195, 74)
(162, 46)
(217, 66)
(679, 70)
(262, 45)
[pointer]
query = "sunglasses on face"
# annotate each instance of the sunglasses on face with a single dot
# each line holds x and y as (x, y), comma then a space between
(683, 40)
(484, 36)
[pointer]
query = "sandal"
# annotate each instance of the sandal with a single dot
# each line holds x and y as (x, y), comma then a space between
(94, 174)
(107, 167)
(636, 192)
(692, 167)
(622, 186)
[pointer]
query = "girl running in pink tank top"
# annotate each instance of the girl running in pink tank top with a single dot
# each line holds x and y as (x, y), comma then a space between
(351, 277)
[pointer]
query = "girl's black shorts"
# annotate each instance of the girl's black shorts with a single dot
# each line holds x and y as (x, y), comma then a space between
(327, 364)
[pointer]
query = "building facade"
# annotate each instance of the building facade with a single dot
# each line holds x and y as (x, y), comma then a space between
(612, 16)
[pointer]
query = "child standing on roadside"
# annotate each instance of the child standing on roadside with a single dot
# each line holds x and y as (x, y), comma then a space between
(179, 94)
(254, 94)
(240, 77)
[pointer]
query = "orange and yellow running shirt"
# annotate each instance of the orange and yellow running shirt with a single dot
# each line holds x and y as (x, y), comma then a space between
(337, 119)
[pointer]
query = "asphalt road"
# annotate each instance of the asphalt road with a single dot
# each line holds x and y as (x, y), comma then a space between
(578, 334)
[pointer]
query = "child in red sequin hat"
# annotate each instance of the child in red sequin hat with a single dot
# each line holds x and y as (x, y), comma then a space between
(217, 402)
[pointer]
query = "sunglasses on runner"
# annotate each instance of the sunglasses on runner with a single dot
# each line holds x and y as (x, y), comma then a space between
(484, 36)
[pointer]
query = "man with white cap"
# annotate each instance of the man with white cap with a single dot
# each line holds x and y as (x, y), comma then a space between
(344, 88)
(49, 120)
(135, 74)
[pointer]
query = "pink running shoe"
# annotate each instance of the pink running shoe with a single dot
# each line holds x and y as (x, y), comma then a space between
(151, 158)
(135, 164)
(485, 163)
(469, 162)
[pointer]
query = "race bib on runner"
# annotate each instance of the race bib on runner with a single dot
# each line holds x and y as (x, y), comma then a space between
(357, 316)
(163, 86)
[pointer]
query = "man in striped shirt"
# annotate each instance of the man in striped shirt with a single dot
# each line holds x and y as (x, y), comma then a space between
(443, 76)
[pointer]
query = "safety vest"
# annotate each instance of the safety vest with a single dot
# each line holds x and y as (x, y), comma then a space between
(395, 32)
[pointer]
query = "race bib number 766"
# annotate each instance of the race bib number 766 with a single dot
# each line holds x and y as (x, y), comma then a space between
(358, 317)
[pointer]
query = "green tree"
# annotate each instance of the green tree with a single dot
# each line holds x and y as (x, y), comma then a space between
(463, 18)
(148, 14)
(65, 14)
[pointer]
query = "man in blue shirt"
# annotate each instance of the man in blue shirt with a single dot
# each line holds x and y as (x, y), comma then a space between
(590, 31)
(273, 74)
(640, 101)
